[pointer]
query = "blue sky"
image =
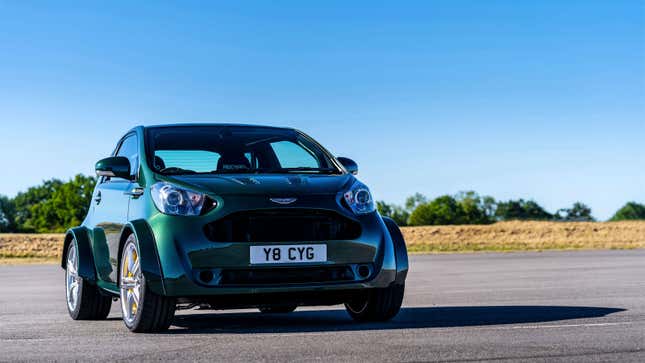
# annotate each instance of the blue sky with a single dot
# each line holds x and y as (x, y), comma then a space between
(542, 100)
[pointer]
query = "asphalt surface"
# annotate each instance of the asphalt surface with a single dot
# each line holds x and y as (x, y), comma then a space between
(555, 306)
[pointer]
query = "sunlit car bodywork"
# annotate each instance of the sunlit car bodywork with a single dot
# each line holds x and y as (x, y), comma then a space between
(230, 216)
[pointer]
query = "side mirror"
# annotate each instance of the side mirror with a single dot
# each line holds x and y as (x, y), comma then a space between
(349, 164)
(115, 166)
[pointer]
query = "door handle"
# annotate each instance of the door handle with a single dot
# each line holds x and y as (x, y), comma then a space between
(97, 199)
(134, 192)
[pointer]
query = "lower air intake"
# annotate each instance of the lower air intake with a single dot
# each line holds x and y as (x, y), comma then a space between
(291, 275)
(283, 225)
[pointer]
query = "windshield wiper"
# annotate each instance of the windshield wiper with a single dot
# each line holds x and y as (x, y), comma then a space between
(176, 171)
(302, 169)
(276, 171)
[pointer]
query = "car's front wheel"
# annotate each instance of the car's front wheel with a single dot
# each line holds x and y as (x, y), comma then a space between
(84, 300)
(143, 310)
(376, 304)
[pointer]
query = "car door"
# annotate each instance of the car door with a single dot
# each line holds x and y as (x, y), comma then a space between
(111, 202)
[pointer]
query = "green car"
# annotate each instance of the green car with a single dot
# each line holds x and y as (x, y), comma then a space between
(226, 216)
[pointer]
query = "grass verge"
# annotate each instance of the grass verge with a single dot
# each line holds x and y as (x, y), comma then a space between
(525, 236)
(29, 261)
(18, 248)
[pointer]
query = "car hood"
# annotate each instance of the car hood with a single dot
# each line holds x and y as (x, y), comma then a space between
(273, 184)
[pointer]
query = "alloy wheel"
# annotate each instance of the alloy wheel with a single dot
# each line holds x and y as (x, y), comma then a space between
(73, 280)
(131, 282)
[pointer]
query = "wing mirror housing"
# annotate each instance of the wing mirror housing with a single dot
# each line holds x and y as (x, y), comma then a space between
(349, 165)
(114, 166)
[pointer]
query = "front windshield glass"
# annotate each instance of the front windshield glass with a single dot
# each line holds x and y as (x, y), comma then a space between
(234, 149)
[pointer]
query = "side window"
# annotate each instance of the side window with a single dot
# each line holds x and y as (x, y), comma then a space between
(253, 160)
(129, 148)
(292, 155)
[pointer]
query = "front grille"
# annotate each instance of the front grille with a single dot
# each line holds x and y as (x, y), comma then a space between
(289, 275)
(283, 225)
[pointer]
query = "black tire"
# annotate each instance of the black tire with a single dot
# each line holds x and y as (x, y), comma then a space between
(277, 309)
(91, 304)
(156, 312)
(376, 304)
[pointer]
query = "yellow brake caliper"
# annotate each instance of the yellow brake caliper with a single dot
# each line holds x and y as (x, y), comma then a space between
(130, 274)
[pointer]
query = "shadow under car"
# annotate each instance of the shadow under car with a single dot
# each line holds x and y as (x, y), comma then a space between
(408, 318)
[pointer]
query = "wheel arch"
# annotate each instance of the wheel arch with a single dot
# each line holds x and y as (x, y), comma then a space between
(126, 231)
(149, 257)
(400, 249)
(86, 267)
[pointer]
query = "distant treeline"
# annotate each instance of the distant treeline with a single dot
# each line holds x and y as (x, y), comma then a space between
(55, 206)
(471, 208)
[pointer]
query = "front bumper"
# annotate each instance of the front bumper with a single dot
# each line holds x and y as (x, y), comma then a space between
(184, 252)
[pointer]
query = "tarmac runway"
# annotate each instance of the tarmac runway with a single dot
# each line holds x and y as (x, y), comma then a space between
(550, 306)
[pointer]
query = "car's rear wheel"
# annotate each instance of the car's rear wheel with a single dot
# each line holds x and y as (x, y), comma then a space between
(277, 309)
(84, 300)
(376, 304)
(143, 310)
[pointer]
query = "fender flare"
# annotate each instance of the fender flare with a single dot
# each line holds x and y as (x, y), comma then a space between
(149, 257)
(400, 250)
(86, 268)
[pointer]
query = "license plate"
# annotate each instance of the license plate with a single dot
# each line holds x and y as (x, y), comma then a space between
(288, 254)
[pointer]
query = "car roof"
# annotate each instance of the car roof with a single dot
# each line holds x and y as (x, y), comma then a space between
(142, 127)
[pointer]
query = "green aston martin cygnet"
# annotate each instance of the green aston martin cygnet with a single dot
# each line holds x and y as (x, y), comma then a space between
(230, 216)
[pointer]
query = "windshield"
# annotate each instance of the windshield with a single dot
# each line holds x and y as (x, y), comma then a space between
(234, 149)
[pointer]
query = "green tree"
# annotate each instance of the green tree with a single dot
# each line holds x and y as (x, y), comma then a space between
(414, 201)
(6, 214)
(53, 206)
(397, 213)
(579, 212)
(441, 211)
(521, 210)
(489, 204)
(66, 207)
(630, 211)
(463, 208)
(25, 202)
(474, 209)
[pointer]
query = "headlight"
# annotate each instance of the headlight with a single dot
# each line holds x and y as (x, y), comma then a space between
(359, 198)
(173, 200)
